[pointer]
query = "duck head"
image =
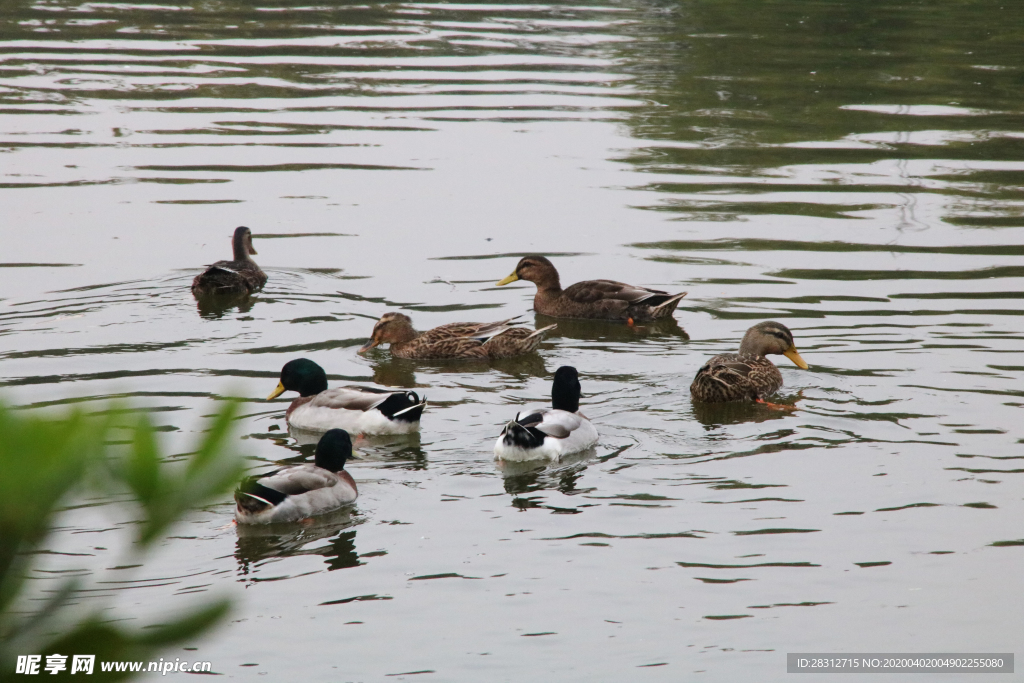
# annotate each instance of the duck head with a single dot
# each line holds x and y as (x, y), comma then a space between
(565, 390)
(536, 269)
(392, 328)
(301, 375)
(333, 449)
(771, 337)
(241, 243)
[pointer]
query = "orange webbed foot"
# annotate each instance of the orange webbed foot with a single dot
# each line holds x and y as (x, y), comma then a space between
(775, 406)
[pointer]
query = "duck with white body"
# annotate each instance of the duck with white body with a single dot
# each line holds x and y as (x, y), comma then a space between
(549, 433)
(300, 491)
(360, 410)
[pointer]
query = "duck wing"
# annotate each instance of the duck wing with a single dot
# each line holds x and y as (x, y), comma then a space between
(590, 291)
(730, 369)
(229, 276)
(218, 277)
(299, 479)
(364, 399)
(352, 398)
(479, 331)
(556, 423)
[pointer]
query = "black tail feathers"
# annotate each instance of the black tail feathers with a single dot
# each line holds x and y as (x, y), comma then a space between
(516, 434)
(403, 406)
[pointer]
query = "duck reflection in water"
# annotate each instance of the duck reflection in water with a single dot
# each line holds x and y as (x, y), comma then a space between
(216, 306)
(393, 372)
(258, 543)
(602, 331)
(713, 415)
(531, 365)
(405, 449)
(526, 476)
(400, 372)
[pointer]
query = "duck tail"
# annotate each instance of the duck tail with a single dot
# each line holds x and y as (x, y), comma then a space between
(522, 431)
(667, 307)
(533, 341)
(217, 280)
(413, 412)
(492, 330)
(516, 435)
(251, 503)
(403, 406)
(253, 498)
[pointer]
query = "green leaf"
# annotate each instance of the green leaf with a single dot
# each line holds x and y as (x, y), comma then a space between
(43, 460)
(186, 627)
(216, 435)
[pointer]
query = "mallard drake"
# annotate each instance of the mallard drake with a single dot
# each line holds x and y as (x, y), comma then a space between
(240, 275)
(603, 299)
(549, 433)
(481, 341)
(747, 375)
(300, 491)
(361, 410)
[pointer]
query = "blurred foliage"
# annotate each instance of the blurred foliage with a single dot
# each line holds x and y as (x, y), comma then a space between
(49, 462)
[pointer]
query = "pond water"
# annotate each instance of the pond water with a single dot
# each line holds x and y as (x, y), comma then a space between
(853, 170)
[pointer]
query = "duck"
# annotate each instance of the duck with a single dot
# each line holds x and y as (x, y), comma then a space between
(300, 491)
(549, 433)
(593, 299)
(361, 410)
(240, 275)
(479, 341)
(747, 375)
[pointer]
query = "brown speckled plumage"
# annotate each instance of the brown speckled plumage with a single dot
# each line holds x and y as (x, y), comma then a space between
(241, 275)
(747, 375)
(600, 299)
(480, 341)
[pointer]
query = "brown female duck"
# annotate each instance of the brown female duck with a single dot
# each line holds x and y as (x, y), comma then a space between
(240, 275)
(747, 375)
(481, 341)
(602, 299)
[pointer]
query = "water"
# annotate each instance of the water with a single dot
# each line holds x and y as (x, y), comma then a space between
(854, 172)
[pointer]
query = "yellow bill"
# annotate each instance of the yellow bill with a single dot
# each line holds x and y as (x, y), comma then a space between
(794, 356)
(510, 279)
(277, 392)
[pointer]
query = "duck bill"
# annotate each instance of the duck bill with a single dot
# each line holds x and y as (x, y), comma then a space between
(795, 357)
(276, 392)
(367, 346)
(509, 280)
